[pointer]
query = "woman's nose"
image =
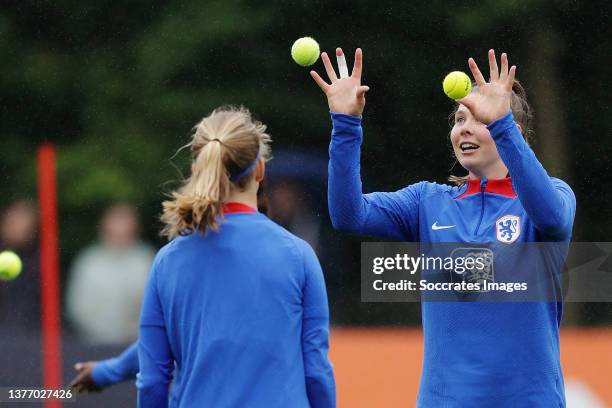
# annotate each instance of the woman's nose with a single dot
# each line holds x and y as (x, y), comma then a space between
(465, 130)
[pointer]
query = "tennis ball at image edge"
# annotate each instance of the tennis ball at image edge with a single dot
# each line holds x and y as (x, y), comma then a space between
(457, 85)
(305, 51)
(10, 265)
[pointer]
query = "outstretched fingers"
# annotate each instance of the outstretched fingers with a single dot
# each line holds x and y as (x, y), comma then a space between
(480, 81)
(358, 66)
(362, 90)
(342, 67)
(493, 70)
(329, 68)
(503, 74)
(511, 76)
(317, 78)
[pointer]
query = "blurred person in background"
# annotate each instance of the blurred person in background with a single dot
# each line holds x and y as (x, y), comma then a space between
(290, 207)
(20, 298)
(296, 185)
(107, 280)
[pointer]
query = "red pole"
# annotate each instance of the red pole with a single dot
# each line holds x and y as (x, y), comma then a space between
(49, 271)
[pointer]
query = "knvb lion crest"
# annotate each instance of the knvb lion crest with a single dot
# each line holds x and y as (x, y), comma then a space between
(508, 228)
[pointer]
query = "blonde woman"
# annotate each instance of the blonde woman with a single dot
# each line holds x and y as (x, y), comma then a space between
(236, 302)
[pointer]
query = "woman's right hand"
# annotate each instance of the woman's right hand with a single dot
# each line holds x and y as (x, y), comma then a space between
(344, 95)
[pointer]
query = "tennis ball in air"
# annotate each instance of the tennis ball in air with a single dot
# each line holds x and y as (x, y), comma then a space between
(305, 51)
(10, 265)
(457, 85)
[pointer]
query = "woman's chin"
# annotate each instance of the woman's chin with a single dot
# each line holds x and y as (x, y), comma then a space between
(469, 162)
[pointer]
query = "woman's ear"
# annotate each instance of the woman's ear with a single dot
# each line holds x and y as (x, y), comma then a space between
(260, 170)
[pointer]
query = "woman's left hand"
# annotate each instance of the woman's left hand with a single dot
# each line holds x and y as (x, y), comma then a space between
(84, 382)
(492, 101)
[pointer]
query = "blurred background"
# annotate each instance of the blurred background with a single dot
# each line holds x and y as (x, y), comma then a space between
(116, 87)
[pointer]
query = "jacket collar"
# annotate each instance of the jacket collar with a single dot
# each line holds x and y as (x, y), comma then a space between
(235, 207)
(495, 186)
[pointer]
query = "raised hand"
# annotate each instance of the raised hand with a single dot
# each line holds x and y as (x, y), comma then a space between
(492, 101)
(346, 94)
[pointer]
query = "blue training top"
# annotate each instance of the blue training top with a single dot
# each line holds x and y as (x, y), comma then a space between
(118, 369)
(243, 313)
(476, 354)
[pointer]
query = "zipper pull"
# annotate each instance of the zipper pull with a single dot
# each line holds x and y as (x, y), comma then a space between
(483, 184)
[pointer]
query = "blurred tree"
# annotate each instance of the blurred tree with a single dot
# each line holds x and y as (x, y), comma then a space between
(117, 86)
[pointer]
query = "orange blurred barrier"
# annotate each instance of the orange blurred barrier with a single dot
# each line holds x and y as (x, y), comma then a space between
(381, 367)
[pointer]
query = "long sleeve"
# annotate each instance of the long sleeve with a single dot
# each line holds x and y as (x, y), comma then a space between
(391, 215)
(549, 202)
(115, 370)
(320, 383)
(155, 356)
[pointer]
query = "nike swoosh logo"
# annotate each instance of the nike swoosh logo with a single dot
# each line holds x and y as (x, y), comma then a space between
(436, 227)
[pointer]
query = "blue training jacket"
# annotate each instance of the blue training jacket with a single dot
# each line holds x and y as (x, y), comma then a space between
(117, 369)
(476, 354)
(242, 313)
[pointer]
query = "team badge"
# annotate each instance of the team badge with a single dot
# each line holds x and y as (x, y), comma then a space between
(481, 273)
(508, 228)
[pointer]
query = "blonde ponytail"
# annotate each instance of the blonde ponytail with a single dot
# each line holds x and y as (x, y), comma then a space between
(225, 145)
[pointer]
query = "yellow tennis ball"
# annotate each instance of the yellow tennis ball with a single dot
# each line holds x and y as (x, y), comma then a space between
(10, 265)
(305, 51)
(457, 85)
